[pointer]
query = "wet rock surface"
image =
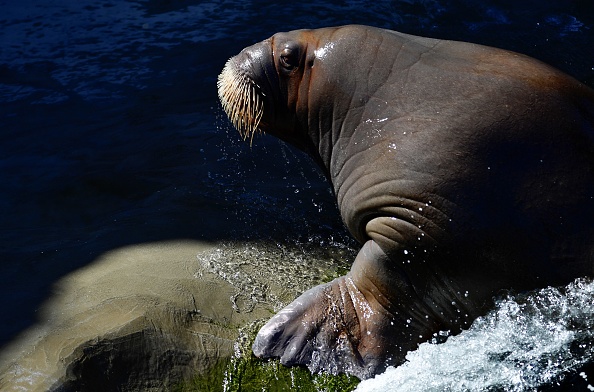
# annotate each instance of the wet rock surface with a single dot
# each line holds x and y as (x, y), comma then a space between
(148, 317)
(135, 319)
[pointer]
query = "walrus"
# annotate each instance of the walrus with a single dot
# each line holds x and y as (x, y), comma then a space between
(463, 170)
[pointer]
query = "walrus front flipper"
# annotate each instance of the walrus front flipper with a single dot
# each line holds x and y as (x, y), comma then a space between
(319, 330)
(347, 325)
(313, 326)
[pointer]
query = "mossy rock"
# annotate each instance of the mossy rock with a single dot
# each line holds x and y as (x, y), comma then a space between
(245, 373)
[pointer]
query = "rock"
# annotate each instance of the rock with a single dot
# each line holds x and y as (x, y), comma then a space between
(145, 317)
(151, 316)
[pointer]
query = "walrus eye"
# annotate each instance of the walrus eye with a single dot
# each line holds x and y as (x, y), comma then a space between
(289, 58)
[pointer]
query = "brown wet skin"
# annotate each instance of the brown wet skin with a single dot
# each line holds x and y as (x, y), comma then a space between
(463, 170)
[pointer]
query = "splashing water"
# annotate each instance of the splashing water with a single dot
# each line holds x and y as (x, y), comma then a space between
(272, 274)
(275, 274)
(525, 343)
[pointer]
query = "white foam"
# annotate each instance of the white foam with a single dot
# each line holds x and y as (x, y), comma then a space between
(526, 342)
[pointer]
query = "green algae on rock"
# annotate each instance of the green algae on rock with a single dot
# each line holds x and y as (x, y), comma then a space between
(244, 372)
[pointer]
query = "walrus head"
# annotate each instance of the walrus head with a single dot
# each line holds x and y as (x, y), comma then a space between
(256, 86)
(265, 88)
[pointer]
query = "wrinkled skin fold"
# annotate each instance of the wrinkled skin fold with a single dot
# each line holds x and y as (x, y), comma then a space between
(463, 170)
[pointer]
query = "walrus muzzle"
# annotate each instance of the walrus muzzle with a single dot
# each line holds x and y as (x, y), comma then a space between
(241, 88)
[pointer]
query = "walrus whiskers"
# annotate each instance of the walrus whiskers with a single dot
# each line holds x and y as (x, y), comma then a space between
(241, 101)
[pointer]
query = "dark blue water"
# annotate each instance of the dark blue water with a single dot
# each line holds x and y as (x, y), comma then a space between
(111, 131)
